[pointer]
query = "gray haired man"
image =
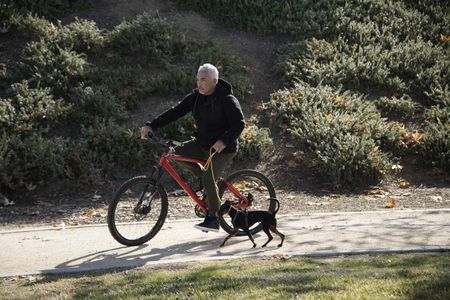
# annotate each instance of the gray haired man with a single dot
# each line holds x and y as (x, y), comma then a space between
(219, 122)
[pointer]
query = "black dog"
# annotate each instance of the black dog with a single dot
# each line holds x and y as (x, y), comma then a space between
(244, 220)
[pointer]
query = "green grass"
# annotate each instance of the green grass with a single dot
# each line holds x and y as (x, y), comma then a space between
(398, 276)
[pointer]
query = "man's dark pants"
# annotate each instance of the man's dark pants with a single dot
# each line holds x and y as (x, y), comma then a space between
(220, 162)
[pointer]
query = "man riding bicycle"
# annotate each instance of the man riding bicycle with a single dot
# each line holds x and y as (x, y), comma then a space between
(219, 122)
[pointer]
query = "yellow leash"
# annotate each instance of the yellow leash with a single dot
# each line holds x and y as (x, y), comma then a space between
(209, 164)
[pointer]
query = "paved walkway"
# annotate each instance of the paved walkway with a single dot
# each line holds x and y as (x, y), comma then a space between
(77, 249)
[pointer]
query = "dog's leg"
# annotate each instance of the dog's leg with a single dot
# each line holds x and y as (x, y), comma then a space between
(233, 233)
(275, 230)
(250, 236)
(267, 231)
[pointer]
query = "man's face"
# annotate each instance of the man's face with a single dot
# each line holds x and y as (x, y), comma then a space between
(206, 83)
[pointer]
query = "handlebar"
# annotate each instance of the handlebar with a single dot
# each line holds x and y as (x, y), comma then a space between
(160, 140)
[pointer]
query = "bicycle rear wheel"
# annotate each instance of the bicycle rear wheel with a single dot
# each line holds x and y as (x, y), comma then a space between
(248, 182)
(137, 211)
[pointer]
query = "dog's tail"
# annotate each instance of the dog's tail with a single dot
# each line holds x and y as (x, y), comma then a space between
(278, 205)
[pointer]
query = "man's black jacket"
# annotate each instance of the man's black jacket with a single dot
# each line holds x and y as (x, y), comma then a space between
(218, 116)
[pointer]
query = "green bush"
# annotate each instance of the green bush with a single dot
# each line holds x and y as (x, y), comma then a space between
(149, 35)
(81, 36)
(404, 105)
(36, 26)
(264, 16)
(368, 19)
(344, 134)
(46, 64)
(128, 85)
(27, 161)
(255, 143)
(98, 102)
(31, 108)
(412, 67)
(109, 145)
(49, 9)
(435, 147)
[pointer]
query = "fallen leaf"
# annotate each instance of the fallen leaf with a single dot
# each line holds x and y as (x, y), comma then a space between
(404, 184)
(375, 191)
(95, 213)
(292, 164)
(316, 203)
(262, 188)
(239, 185)
(280, 256)
(390, 203)
(246, 69)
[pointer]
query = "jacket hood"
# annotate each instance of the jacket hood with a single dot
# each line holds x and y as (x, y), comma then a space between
(225, 86)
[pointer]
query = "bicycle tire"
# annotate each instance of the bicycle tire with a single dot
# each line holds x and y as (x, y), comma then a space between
(121, 194)
(267, 191)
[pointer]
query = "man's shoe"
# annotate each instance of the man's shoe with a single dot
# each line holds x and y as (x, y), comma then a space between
(210, 224)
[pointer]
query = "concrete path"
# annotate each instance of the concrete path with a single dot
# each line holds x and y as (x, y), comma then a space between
(77, 249)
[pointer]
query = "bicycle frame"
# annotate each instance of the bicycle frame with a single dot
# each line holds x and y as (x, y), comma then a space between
(164, 162)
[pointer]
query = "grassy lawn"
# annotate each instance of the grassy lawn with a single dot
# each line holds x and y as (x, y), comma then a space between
(399, 276)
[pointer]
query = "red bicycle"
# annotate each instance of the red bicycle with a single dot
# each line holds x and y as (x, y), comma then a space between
(139, 207)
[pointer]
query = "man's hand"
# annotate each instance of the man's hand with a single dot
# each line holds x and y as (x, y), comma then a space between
(145, 131)
(219, 146)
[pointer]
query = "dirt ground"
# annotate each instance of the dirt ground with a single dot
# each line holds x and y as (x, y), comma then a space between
(298, 188)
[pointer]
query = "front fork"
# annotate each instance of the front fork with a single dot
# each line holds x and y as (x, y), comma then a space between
(144, 204)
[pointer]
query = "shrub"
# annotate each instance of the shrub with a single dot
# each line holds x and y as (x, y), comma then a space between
(50, 9)
(27, 161)
(371, 19)
(176, 80)
(414, 67)
(96, 103)
(49, 65)
(81, 36)
(149, 35)
(255, 143)
(435, 146)
(31, 108)
(287, 16)
(343, 133)
(34, 25)
(404, 105)
(109, 145)
(128, 85)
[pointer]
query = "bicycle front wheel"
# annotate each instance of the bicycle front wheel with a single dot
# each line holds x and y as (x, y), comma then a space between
(248, 182)
(137, 211)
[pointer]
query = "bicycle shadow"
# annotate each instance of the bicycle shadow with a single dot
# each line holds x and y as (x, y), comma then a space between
(136, 256)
